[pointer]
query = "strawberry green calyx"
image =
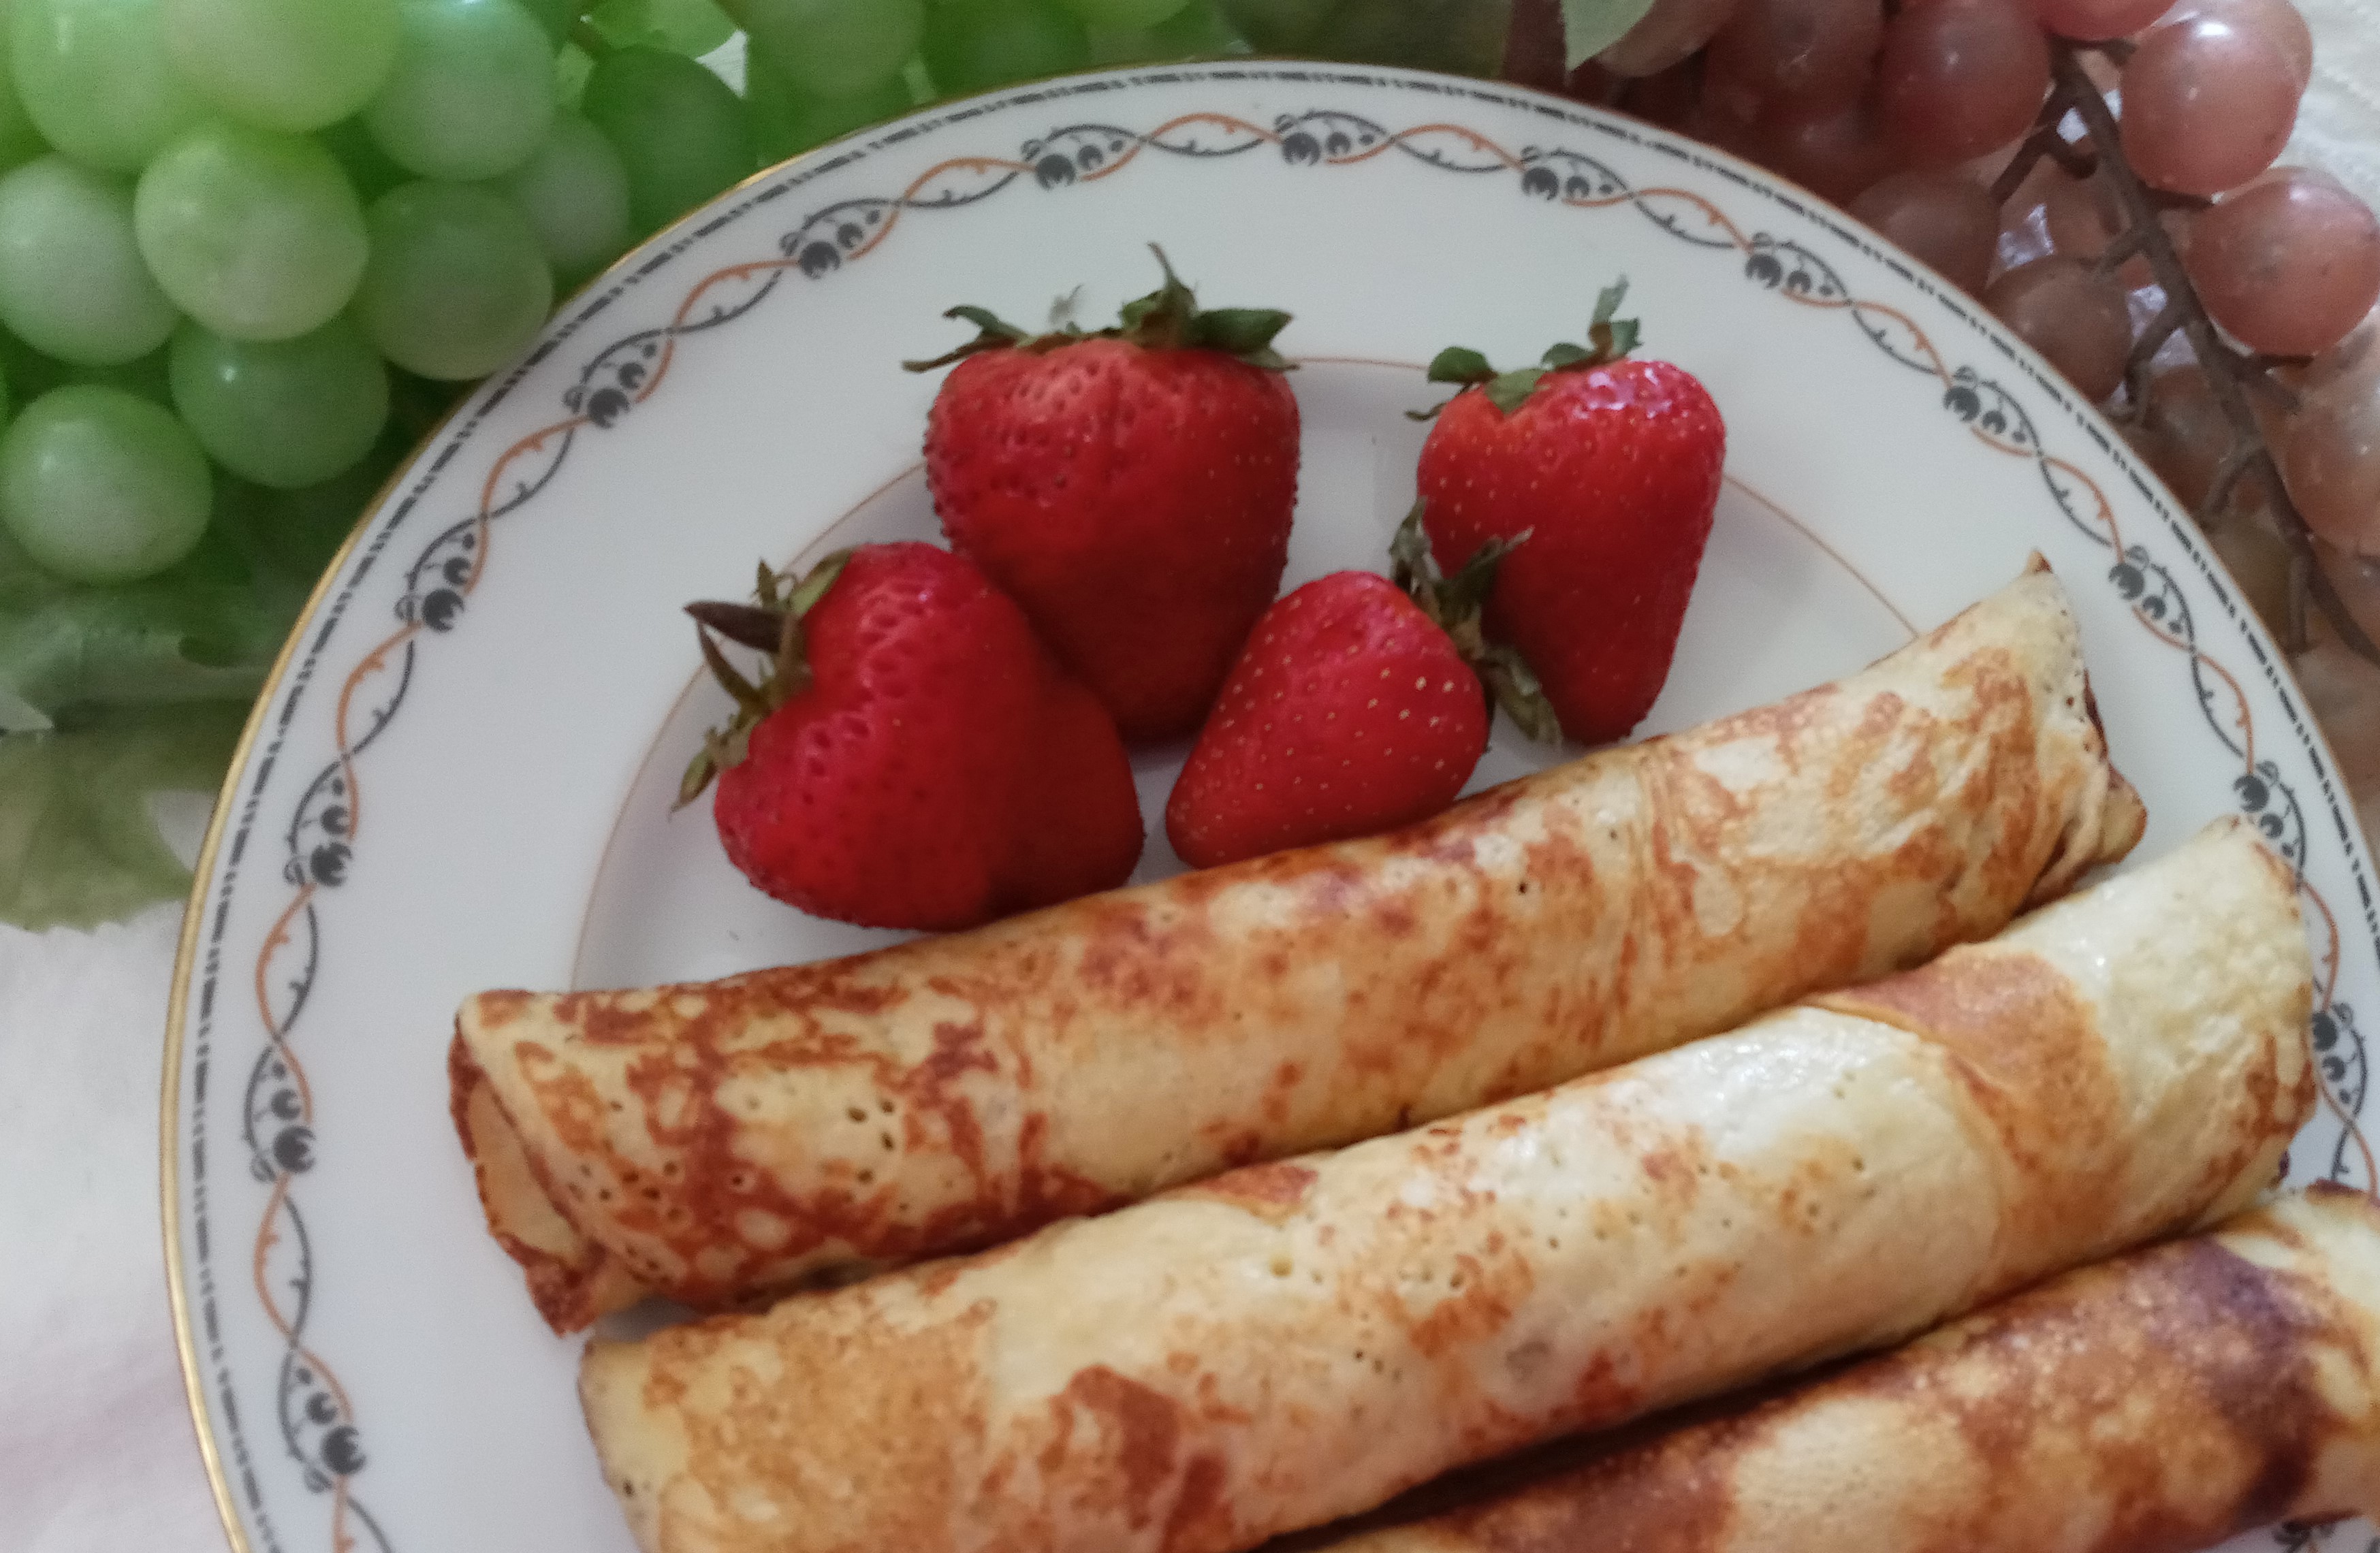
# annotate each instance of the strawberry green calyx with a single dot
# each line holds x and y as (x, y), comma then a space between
(1167, 319)
(771, 625)
(1454, 605)
(1609, 339)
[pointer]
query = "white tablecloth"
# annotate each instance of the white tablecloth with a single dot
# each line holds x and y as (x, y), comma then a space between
(96, 1449)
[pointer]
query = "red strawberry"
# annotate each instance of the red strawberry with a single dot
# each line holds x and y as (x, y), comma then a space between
(1355, 707)
(1131, 488)
(1613, 465)
(916, 758)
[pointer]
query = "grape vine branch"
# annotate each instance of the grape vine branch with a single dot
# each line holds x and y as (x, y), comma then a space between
(2231, 373)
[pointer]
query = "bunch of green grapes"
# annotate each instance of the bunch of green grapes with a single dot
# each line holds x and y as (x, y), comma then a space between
(249, 246)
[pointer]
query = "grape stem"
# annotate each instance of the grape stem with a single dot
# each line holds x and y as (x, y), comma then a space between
(2230, 373)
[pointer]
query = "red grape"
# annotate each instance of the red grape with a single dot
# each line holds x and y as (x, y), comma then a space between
(2053, 212)
(1664, 35)
(2343, 692)
(1809, 55)
(2356, 580)
(2185, 434)
(2259, 560)
(2072, 315)
(2330, 456)
(1592, 83)
(2090, 20)
(1957, 77)
(2276, 22)
(1667, 99)
(2207, 105)
(1941, 218)
(1833, 156)
(2289, 263)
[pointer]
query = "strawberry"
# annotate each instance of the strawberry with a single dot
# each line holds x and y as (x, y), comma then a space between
(914, 757)
(1131, 488)
(1613, 465)
(1355, 706)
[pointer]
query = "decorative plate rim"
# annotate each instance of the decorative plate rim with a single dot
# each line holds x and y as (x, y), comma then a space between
(1782, 266)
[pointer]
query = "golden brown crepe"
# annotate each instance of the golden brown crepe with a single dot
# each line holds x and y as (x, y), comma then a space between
(2158, 1403)
(709, 1141)
(1302, 1340)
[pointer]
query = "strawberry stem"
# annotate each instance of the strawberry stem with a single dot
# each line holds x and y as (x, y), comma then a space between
(1608, 338)
(744, 624)
(1456, 605)
(996, 334)
(1167, 319)
(773, 625)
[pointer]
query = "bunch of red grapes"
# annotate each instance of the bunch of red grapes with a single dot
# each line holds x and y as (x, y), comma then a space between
(2021, 148)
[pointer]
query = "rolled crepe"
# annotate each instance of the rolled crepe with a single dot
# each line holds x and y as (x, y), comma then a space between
(2158, 1403)
(1299, 1341)
(709, 1141)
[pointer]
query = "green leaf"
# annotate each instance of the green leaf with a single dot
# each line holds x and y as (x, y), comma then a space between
(110, 693)
(1565, 354)
(1460, 364)
(1591, 26)
(689, 27)
(626, 24)
(205, 630)
(77, 843)
(1279, 26)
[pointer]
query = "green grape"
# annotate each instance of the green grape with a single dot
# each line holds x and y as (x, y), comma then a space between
(256, 234)
(101, 487)
(833, 48)
(572, 65)
(290, 65)
(71, 281)
(94, 78)
(787, 120)
(575, 192)
(1123, 13)
(457, 284)
(1200, 30)
(974, 45)
(369, 172)
(29, 373)
(472, 93)
(146, 378)
(20, 140)
(687, 27)
(299, 531)
(680, 131)
(283, 413)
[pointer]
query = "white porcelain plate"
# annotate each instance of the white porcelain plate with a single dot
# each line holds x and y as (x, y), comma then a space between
(460, 777)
